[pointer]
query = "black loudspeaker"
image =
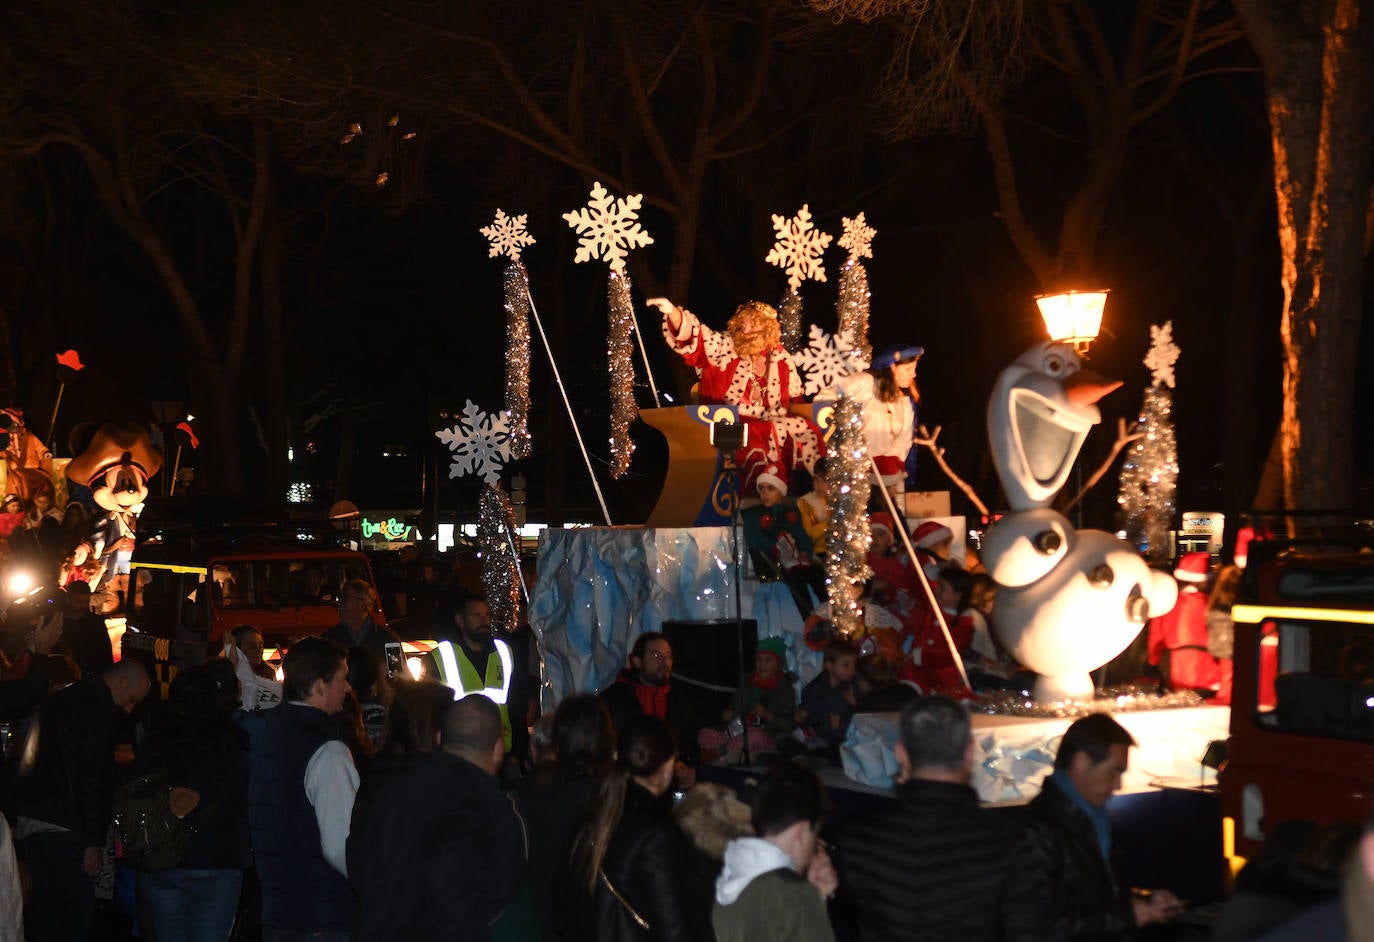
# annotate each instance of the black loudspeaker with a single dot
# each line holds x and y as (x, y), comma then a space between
(706, 665)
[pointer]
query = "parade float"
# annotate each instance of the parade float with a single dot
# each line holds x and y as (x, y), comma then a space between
(1069, 599)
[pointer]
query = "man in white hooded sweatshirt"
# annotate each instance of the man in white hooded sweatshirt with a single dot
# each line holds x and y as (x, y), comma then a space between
(773, 887)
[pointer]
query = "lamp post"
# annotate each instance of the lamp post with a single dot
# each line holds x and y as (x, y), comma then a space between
(1073, 316)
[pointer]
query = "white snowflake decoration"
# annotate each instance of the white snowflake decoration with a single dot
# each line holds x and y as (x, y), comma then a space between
(1163, 354)
(827, 358)
(798, 248)
(608, 227)
(857, 238)
(507, 235)
(480, 443)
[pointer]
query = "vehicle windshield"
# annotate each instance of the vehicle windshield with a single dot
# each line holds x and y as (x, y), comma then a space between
(1321, 681)
(282, 583)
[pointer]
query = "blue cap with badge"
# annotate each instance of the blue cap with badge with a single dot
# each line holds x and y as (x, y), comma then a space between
(891, 356)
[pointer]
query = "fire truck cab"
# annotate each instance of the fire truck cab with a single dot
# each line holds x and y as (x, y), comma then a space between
(1302, 714)
(201, 567)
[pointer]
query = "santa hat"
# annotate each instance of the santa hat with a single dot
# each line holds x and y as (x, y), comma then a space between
(1193, 567)
(929, 533)
(882, 521)
(772, 474)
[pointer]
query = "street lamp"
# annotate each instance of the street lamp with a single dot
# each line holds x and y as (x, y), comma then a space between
(1073, 316)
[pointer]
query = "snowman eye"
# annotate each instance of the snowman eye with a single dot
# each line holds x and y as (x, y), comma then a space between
(1101, 576)
(1055, 364)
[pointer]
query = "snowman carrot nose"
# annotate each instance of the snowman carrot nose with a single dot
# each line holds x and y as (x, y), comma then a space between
(1086, 387)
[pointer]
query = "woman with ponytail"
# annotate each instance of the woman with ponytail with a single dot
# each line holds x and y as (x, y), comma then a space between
(628, 862)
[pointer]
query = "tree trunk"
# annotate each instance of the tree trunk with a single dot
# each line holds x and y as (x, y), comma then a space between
(1320, 87)
(272, 251)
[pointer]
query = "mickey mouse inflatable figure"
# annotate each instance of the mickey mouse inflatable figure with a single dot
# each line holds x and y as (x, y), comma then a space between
(116, 466)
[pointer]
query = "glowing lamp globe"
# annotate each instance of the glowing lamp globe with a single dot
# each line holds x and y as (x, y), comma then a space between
(1073, 316)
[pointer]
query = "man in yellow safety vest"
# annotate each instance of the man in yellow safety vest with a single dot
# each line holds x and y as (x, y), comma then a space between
(479, 663)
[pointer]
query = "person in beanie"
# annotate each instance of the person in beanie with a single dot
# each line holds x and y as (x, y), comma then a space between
(764, 701)
(1178, 638)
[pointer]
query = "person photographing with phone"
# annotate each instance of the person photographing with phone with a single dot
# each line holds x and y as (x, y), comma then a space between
(356, 629)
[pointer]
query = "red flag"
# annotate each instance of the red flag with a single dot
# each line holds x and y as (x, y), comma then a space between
(185, 428)
(70, 359)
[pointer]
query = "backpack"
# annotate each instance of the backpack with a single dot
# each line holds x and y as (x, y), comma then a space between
(152, 836)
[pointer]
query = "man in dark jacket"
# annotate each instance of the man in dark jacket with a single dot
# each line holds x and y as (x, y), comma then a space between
(937, 866)
(419, 821)
(356, 629)
(66, 792)
(1070, 866)
(646, 687)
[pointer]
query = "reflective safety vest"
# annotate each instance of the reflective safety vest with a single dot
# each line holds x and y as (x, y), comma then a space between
(461, 675)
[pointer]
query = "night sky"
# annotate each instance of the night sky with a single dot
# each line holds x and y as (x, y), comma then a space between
(394, 309)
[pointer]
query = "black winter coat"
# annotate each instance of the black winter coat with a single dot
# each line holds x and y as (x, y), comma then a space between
(552, 815)
(936, 866)
(646, 861)
(71, 779)
(436, 850)
(623, 704)
(1071, 875)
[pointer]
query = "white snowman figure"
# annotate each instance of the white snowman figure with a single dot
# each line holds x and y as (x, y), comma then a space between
(1069, 600)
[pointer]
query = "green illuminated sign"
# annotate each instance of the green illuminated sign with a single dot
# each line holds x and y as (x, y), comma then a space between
(390, 530)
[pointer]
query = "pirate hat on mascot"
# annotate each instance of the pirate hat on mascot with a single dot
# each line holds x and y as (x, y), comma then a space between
(122, 447)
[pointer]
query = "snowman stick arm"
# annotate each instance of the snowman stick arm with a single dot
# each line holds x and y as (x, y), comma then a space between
(927, 439)
(921, 576)
(1123, 438)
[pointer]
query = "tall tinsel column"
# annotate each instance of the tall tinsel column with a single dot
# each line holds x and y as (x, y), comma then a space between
(797, 250)
(500, 566)
(608, 228)
(620, 361)
(847, 536)
(854, 294)
(517, 284)
(508, 237)
(1149, 476)
(790, 321)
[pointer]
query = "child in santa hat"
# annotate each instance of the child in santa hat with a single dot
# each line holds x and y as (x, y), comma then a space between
(778, 543)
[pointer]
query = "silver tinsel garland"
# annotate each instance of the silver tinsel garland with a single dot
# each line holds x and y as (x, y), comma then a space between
(1125, 699)
(847, 536)
(500, 566)
(517, 284)
(620, 364)
(853, 306)
(790, 321)
(1149, 477)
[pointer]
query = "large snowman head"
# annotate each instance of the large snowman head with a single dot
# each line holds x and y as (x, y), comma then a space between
(1040, 411)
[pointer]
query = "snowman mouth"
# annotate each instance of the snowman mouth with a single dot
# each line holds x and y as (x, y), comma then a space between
(1047, 435)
